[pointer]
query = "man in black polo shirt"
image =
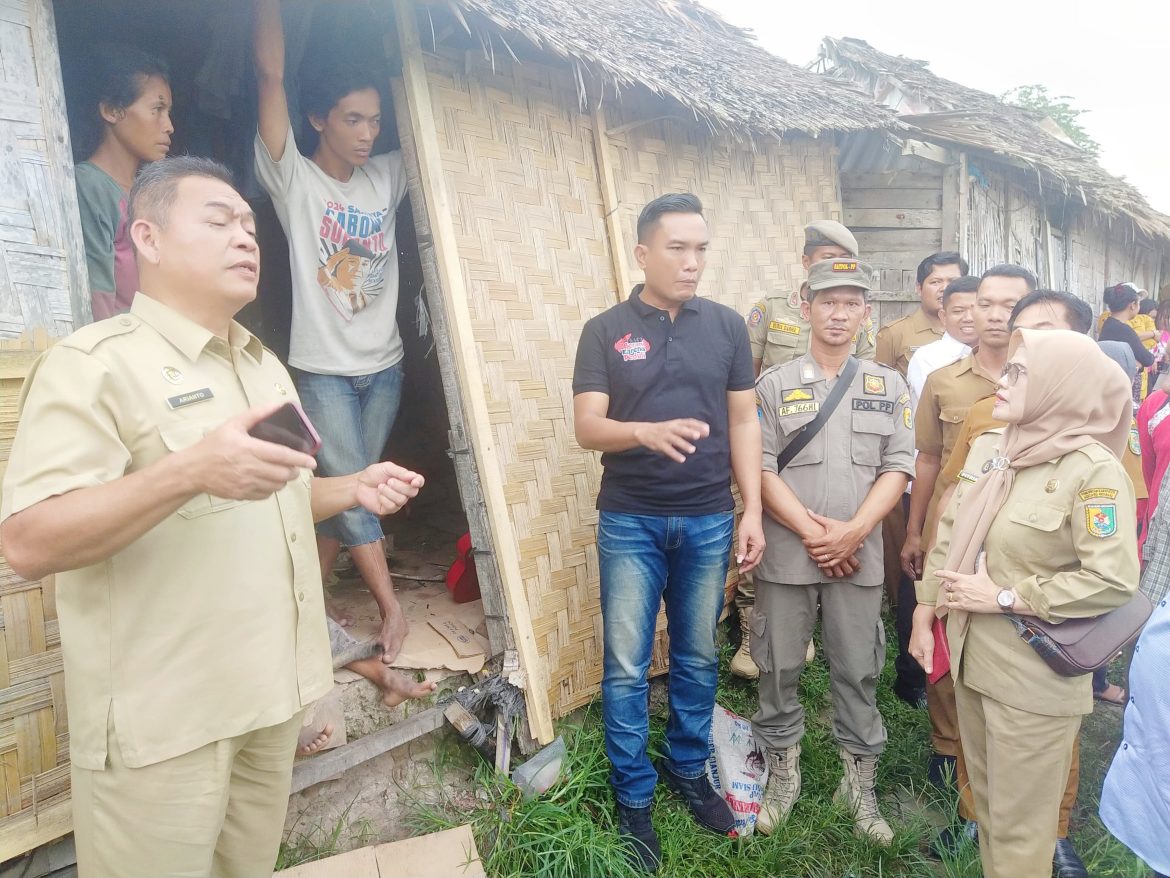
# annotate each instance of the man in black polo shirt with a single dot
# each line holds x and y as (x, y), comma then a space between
(664, 388)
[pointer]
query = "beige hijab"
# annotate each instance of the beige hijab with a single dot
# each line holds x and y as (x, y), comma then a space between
(1075, 396)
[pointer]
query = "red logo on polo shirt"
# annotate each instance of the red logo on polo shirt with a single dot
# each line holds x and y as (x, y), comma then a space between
(632, 348)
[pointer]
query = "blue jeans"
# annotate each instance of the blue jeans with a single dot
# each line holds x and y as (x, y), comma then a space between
(646, 559)
(354, 415)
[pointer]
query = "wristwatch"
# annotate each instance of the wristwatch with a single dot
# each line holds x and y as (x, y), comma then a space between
(1006, 599)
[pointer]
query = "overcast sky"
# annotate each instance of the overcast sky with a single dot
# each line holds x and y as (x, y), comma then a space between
(1109, 58)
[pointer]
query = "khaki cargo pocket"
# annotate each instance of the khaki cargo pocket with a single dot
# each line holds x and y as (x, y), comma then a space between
(760, 646)
(177, 437)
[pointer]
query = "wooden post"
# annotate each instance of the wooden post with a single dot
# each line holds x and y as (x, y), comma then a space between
(950, 206)
(609, 198)
(423, 128)
(964, 202)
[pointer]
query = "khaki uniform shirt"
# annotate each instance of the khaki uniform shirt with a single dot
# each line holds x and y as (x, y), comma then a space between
(946, 398)
(868, 434)
(1066, 541)
(897, 341)
(211, 624)
(979, 421)
(778, 333)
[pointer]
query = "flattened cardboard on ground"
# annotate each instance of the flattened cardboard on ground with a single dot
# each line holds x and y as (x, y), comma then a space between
(447, 854)
(425, 648)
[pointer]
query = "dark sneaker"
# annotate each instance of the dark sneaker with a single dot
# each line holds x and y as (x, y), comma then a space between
(1066, 863)
(951, 840)
(707, 806)
(941, 770)
(637, 832)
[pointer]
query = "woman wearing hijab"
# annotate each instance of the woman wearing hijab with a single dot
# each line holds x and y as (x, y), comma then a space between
(1040, 526)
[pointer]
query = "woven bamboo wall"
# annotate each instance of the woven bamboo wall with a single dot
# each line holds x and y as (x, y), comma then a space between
(34, 741)
(524, 183)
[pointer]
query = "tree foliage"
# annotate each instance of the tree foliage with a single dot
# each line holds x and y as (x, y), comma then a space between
(1057, 107)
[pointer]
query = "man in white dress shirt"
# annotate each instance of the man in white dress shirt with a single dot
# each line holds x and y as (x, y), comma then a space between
(958, 319)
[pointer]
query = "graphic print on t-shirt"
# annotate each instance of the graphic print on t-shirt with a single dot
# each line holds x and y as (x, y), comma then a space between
(351, 257)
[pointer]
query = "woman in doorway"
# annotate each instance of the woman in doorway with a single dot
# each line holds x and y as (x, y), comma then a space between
(129, 124)
(1037, 530)
(337, 209)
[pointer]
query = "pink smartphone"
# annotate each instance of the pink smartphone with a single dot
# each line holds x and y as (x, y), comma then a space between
(289, 426)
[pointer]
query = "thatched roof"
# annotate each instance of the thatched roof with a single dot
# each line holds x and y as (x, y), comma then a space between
(682, 50)
(945, 111)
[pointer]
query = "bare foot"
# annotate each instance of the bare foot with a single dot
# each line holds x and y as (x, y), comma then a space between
(344, 618)
(397, 687)
(311, 740)
(392, 635)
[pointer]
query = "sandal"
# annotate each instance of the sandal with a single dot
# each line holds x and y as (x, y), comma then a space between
(1113, 694)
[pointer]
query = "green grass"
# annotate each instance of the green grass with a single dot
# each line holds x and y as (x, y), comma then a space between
(570, 831)
(306, 844)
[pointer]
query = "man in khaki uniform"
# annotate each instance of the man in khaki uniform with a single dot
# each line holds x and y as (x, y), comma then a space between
(897, 342)
(188, 590)
(1050, 549)
(779, 333)
(822, 509)
(948, 394)
(777, 330)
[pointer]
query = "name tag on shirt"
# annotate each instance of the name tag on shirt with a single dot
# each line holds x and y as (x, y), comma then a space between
(186, 399)
(884, 406)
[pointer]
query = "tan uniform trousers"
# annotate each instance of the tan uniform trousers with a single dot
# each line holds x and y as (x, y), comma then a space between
(1018, 763)
(217, 811)
(855, 648)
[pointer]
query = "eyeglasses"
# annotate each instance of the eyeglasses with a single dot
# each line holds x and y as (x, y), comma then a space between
(1013, 371)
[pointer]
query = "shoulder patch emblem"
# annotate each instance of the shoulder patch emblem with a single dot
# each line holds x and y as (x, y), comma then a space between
(908, 418)
(1097, 494)
(781, 326)
(1101, 520)
(798, 408)
(875, 385)
(755, 316)
(1135, 444)
(903, 399)
(798, 395)
(967, 476)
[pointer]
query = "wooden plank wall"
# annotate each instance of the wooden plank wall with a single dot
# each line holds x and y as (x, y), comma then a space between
(42, 265)
(897, 217)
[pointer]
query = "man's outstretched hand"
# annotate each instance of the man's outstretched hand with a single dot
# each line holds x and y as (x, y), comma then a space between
(384, 488)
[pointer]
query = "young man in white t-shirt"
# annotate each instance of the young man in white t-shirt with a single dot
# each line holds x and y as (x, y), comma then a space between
(338, 209)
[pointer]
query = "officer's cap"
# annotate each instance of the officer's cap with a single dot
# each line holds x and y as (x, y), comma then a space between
(829, 273)
(829, 233)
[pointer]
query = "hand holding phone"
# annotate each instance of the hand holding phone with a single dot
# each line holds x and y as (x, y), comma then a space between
(288, 426)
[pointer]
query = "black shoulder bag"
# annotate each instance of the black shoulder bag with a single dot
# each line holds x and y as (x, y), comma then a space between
(810, 430)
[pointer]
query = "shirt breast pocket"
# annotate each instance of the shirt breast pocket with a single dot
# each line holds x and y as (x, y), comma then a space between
(869, 432)
(178, 437)
(814, 452)
(786, 337)
(1036, 523)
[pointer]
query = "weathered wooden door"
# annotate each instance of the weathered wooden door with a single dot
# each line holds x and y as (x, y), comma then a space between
(42, 265)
